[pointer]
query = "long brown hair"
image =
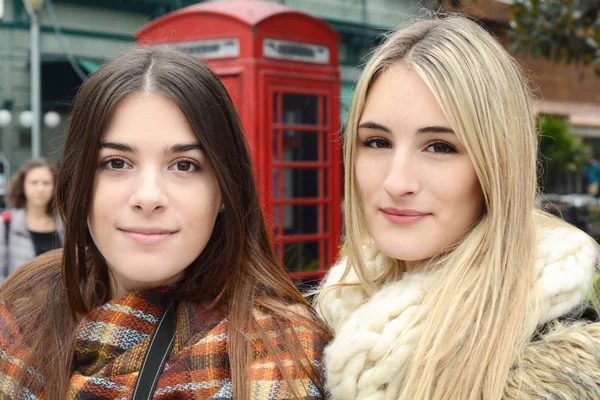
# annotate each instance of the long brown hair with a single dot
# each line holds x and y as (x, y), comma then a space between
(17, 183)
(237, 269)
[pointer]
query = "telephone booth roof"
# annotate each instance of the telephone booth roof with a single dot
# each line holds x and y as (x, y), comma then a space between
(245, 18)
(249, 12)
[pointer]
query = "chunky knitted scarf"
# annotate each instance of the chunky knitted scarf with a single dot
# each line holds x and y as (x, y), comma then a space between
(376, 335)
(112, 340)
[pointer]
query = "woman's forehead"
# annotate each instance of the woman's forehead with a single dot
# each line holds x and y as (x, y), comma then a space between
(149, 119)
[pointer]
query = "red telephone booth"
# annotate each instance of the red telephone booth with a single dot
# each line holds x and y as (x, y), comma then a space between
(280, 68)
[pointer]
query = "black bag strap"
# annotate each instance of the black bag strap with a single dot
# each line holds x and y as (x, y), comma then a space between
(161, 344)
(6, 217)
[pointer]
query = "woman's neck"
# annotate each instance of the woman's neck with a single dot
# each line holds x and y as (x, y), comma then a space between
(414, 266)
(38, 219)
(36, 212)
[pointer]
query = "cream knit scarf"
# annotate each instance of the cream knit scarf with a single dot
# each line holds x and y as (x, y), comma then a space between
(374, 337)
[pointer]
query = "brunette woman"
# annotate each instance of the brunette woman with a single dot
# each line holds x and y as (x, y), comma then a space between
(162, 228)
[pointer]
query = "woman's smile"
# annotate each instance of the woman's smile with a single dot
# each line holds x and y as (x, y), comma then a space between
(148, 236)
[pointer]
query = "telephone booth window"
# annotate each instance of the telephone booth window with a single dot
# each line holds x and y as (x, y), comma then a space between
(300, 180)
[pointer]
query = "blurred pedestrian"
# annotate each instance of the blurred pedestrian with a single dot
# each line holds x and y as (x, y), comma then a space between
(167, 283)
(30, 227)
(454, 286)
(592, 174)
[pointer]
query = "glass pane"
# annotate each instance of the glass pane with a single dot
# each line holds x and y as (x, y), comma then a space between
(325, 182)
(275, 219)
(276, 183)
(300, 183)
(300, 109)
(302, 256)
(326, 137)
(279, 251)
(301, 219)
(276, 138)
(300, 146)
(325, 112)
(326, 218)
(275, 111)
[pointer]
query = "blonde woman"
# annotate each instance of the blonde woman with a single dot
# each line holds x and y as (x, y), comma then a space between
(453, 285)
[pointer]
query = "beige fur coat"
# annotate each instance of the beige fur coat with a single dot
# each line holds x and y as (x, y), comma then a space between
(374, 336)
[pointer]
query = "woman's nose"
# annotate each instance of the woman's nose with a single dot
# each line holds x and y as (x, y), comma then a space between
(149, 194)
(402, 177)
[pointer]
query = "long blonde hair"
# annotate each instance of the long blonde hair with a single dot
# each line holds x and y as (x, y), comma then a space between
(483, 308)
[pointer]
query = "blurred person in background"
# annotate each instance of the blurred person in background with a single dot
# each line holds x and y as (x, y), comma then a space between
(30, 227)
(592, 174)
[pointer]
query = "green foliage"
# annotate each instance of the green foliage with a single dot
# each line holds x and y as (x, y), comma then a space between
(594, 212)
(560, 147)
(561, 150)
(559, 30)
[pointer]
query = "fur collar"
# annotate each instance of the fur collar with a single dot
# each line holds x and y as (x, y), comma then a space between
(563, 363)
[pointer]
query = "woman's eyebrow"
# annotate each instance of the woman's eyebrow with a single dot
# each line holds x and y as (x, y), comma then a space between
(374, 125)
(426, 129)
(436, 129)
(119, 147)
(184, 147)
(126, 148)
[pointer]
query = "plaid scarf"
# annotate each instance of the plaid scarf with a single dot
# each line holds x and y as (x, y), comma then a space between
(111, 342)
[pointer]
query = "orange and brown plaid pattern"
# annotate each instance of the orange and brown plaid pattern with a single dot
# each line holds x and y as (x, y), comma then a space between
(113, 338)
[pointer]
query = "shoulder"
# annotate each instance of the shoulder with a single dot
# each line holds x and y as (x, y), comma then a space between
(297, 345)
(23, 322)
(334, 303)
(341, 291)
(12, 214)
(16, 218)
(8, 329)
(211, 324)
(29, 284)
(6, 216)
(565, 263)
(15, 213)
(562, 358)
(14, 354)
(562, 363)
(299, 322)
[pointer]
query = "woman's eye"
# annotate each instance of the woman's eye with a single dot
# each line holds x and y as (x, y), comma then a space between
(116, 164)
(441, 147)
(376, 143)
(185, 166)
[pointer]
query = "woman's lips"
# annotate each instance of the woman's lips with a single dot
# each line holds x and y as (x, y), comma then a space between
(148, 237)
(403, 217)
